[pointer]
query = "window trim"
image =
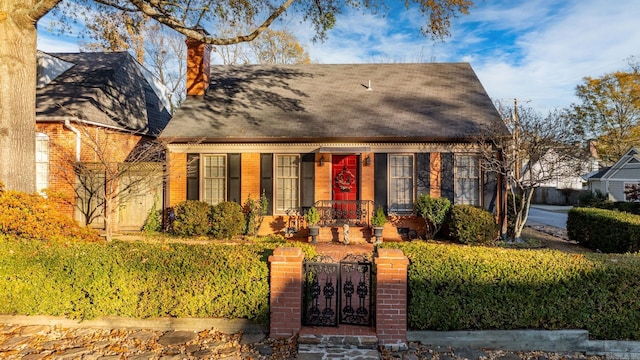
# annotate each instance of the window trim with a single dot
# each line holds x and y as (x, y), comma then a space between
(202, 177)
(390, 180)
(41, 138)
(276, 178)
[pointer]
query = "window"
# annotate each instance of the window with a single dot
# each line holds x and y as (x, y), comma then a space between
(287, 182)
(42, 162)
(467, 180)
(214, 186)
(401, 183)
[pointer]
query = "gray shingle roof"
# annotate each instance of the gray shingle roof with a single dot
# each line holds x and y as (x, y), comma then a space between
(320, 103)
(105, 88)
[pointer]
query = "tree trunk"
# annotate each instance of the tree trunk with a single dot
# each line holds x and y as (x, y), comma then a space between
(17, 96)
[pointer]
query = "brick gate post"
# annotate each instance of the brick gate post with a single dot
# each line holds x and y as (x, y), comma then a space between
(391, 298)
(285, 296)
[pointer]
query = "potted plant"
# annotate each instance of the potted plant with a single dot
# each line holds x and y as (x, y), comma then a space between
(377, 221)
(312, 217)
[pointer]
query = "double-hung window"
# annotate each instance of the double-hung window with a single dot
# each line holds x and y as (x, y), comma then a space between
(401, 183)
(214, 179)
(42, 162)
(467, 180)
(287, 182)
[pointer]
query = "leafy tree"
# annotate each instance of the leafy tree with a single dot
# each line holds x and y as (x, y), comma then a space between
(542, 148)
(116, 31)
(18, 20)
(610, 112)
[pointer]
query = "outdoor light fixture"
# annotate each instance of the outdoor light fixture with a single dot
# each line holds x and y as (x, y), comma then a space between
(367, 161)
(322, 160)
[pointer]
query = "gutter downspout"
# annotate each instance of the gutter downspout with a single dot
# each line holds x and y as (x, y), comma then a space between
(67, 124)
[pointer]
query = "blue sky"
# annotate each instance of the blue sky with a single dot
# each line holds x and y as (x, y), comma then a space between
(534, 50)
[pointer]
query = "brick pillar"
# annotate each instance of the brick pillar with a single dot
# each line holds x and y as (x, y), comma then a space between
(286, 292)
(391, 298)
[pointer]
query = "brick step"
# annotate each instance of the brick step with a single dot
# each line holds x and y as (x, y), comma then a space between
(357, 234)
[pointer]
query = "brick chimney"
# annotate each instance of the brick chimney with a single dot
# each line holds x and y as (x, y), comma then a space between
(198, 67)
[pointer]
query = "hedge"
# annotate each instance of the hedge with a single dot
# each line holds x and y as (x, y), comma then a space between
(135, 279)
(480, 288)
(605, 230)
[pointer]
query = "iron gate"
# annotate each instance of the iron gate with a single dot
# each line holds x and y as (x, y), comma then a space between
(338, 292)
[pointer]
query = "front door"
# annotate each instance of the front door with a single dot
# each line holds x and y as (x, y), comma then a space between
(345, 185)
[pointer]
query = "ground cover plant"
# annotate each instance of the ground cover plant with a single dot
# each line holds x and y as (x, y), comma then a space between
(480, 288)
(136, 279)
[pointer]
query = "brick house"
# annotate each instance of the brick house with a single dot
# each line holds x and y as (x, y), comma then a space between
(95, 110)
(343, 138)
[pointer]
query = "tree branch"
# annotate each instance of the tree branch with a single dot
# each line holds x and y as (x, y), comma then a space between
(41, 8)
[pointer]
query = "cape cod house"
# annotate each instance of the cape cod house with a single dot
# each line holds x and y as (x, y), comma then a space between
(343, 138)
(97, 110)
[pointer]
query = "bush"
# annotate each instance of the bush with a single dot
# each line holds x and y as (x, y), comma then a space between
(134, 279)
(434, 211)
(191, 218)
(480, 288)
(227, 220)
(605, 230)
(379, 218)
(153, 223)
(472, 225)
(254, 212)
(592, 199)
(31, 216)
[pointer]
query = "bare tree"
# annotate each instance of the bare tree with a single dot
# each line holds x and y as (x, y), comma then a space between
(541, 149)
(108, 176)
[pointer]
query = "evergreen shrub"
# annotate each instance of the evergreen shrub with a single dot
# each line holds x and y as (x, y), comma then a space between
(227, 220)
(483, 288)
(608, 231)
(191, 218)
(472, 225)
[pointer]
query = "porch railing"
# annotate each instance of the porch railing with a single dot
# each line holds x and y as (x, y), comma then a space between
(340, 212)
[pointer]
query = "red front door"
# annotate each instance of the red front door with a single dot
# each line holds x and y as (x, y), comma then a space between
(344, 174)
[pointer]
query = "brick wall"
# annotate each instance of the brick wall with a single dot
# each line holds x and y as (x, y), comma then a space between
(250, 179)
(285, 298)
(367, 174)
(391, 297)
(177, 178)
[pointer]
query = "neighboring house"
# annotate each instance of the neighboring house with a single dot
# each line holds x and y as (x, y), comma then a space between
(614, 180)
(343, 138)
(95, 110)
(560, 179)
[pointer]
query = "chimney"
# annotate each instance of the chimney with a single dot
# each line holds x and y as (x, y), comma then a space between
(198, 67)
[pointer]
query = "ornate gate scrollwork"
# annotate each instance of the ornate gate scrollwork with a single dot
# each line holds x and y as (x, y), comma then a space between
(338, 292)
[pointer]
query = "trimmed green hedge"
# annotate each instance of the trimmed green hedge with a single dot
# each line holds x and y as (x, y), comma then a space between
(139, 280)
(605, 230)
(479, 288)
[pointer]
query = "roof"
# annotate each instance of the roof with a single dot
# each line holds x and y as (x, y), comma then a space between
(363, 102)
(105, 88)
(630, 158)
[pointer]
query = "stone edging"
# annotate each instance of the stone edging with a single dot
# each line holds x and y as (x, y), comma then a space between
(530, 340)
(159, 324)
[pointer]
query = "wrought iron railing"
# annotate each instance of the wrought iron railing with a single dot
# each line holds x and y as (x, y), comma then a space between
(340, 212)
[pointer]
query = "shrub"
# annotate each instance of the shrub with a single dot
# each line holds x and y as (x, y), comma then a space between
(312, 216)
(227, 220)
(254, 212)
(191, 218)
(480, 288)
(378, 219)
(32, 216)
(592, 199)
(153, 223)
(605, 230)
(434, 211)
(472, 225)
